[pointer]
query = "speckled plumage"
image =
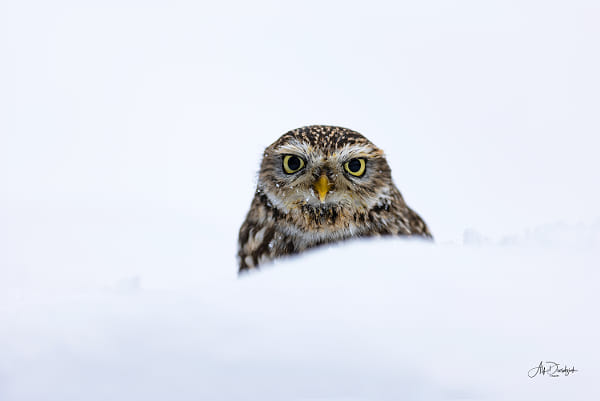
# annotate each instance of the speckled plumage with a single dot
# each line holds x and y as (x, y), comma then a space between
(288, 215)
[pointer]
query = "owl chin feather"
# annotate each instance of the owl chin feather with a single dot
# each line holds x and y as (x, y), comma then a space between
(287, 217)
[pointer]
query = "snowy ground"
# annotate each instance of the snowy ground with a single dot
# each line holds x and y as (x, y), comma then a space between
(119, 309)
(130, 136)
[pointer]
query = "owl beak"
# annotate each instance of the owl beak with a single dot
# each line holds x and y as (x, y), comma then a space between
(322, 186)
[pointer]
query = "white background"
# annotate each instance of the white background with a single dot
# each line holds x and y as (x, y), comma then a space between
(130, 137)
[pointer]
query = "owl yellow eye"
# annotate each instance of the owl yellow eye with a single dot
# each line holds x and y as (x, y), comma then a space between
(355, 167)
(292, 164)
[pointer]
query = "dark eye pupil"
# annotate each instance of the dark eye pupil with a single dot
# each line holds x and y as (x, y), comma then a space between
(294, 163)
(354, 165)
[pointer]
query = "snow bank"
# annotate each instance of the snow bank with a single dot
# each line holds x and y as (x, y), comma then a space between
(366, 320)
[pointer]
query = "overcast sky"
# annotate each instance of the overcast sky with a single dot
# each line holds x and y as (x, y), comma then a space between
(488, 111)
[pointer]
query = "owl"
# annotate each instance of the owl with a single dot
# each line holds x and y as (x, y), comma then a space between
(318, 185)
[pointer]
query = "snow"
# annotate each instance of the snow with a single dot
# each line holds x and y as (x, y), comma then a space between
(365, 320)
(130, 137)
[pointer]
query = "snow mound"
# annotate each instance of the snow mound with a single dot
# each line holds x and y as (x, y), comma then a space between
(365, 320)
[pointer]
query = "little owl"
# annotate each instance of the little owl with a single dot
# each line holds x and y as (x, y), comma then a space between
(318, 185)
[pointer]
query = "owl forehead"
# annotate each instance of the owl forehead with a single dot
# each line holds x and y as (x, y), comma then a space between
(319, 141)
(317, 155)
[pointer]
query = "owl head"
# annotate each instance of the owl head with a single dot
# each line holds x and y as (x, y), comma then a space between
(325, 171)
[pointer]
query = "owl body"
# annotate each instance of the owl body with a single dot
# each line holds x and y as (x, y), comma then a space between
(318, 185)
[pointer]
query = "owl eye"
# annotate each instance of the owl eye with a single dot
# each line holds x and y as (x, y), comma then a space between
(292, 164)
(355, 167)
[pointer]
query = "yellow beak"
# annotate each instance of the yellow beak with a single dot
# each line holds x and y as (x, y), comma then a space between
(322, 186)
